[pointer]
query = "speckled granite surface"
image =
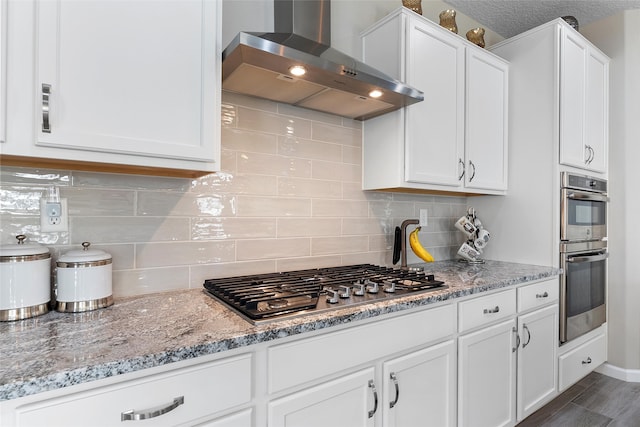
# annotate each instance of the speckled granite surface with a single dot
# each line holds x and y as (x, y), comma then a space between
(60, 349)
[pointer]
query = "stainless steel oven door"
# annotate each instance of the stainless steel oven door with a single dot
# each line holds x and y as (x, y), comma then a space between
(582, 289)
(583, 215)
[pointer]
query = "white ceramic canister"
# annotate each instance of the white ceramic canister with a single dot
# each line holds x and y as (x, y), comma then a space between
(25, 280)
(83, 280)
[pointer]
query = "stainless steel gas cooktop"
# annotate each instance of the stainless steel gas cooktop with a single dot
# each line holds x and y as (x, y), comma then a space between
(271, 296)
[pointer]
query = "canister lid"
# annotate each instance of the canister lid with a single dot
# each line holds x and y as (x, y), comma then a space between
(83, 256)
(20, 250)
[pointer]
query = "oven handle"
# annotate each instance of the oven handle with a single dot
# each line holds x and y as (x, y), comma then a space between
(588, 196)
(588, 258)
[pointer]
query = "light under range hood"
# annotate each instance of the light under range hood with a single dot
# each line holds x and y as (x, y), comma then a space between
(261, 64)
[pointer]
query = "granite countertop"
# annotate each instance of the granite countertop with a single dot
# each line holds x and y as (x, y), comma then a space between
(61, 349)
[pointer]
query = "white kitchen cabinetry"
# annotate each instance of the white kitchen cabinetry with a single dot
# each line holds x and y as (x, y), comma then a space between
(514, 349)
(126, 84)
(351, 400)
(346, 375)
(420, 386)
(185, 395)
(584, 100)
(581, 360)
(456, 139)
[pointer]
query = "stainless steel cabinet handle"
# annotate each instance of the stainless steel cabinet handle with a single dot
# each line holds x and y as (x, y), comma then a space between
(586, 362)
(395, 382)
(524, 328)
(474, 171)
(492, 310)
(515, 331)
(461, 163)
(46, 92)
(133, 415)
(591, 154)
(372, 386)
(545, 295)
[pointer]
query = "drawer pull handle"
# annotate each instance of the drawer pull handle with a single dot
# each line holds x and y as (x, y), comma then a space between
(395, 382)
(586, 362)
(372, 386)
(491, 310)
(545, 295)
(132, 415)
(46, 92)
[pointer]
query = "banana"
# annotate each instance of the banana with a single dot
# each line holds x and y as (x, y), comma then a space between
(417, 247)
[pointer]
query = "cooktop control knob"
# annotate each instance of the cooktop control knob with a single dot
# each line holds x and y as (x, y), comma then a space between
(359, 291)
(372, 287)
(391, 287)
(332, 296)
(345, 291)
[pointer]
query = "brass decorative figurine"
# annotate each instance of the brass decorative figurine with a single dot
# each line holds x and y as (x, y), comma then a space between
(476, 36)
(415, 5)
(448, 20)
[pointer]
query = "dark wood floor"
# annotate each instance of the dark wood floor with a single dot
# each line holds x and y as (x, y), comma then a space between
(596, 401)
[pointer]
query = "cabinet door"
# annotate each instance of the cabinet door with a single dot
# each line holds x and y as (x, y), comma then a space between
(486, 121)
(132, 77)
(486, 376)
(435, 127)
(537, 361)
(597, 111)
(351, 401)
(419, 388)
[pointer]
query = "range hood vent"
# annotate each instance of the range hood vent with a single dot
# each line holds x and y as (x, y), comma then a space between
(260, 64)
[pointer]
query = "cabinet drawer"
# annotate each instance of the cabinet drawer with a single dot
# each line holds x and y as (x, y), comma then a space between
(309, 359)
(205, 389)
(484, 310)
(538, 294)
(582, 360)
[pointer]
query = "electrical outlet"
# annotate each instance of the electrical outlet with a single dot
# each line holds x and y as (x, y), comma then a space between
(424, 218)
(53, 216)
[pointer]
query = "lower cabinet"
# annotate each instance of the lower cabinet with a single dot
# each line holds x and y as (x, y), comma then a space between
(182, 396)
(507, 364)
(580, 361)
(487, 372)
(537, 367)
(351, 400)
(420, 388)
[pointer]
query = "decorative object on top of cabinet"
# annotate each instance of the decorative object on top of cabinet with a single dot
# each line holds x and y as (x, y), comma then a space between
(92, 102)
(573, 21)
(415, 5)
(448, 20)
(456, 144)
(476, 36)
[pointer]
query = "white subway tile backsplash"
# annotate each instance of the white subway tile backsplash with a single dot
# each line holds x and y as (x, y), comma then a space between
(128, 229)
(289, 197)
(233, 228)
(184, 253)
(307, 149)
(271, 248)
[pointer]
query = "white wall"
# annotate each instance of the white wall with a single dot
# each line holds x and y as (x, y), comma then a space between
(619, 37)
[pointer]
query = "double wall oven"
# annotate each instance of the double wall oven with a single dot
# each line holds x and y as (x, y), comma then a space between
(583, 254)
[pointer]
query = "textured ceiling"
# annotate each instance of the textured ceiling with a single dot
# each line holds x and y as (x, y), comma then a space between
(511, 17)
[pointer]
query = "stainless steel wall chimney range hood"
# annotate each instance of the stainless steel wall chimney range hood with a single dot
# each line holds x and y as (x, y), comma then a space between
(261, 65)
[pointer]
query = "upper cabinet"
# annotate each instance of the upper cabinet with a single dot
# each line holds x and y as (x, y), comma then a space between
(584, 83)
(456, 139)
(132, 84)
(560, 97)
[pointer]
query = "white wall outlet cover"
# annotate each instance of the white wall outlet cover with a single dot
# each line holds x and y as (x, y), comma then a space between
(53, 216)
(424, 218)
